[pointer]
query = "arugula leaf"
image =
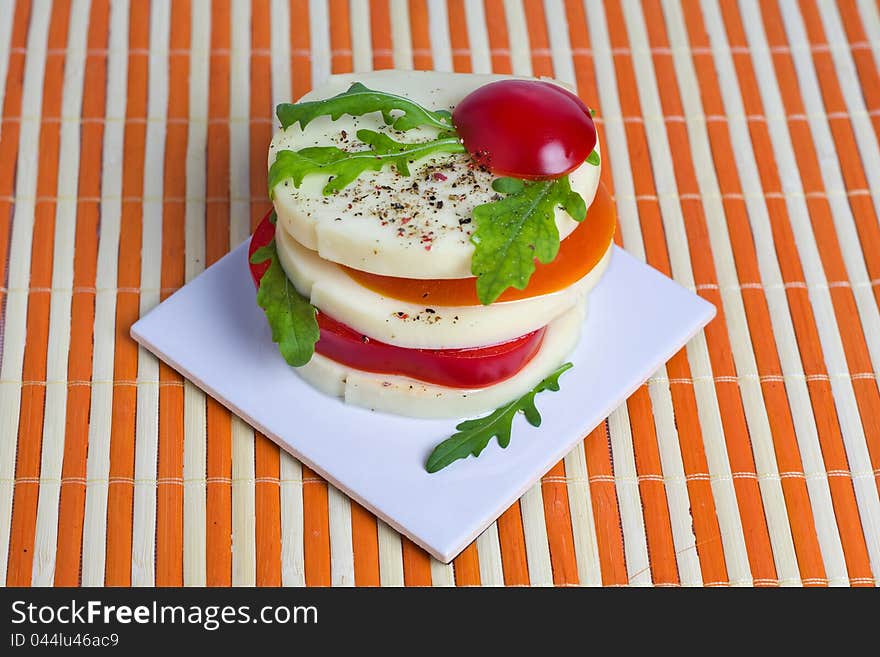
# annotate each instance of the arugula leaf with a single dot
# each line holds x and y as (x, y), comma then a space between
(474, 435)
(593, 158)
(510, 233)
(291, 317)
(345, 166)
(359, 100)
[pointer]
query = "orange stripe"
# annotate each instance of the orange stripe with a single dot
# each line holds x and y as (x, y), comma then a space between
(120, 490)
(30, 424)
(732, 414)
(71, 506)
(316, 529)
(606, 512)
(785, 444)
(365, 542)
(9, 133)
(458, 36)
(421, 36)
(364, 532)
(833, 450)
(851, 331)
(416, 564)
(466, 567)
(219, 429)
(267, 457)
(380, 28)
(557, 514)
(169, 496)
(341, 60)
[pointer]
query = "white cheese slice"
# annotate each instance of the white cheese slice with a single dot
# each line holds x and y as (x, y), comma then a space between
(411, 227)
(333, 291)
(404, 396)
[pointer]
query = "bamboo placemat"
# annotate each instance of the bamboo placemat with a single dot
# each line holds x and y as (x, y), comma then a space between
(741, 142)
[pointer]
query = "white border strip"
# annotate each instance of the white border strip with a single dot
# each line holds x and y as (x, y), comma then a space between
(871, 22)
(390, 555)
(58, 347)
(15, 329)
(94, 545)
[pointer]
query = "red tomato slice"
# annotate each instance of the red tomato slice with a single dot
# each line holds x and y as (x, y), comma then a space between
(525, 128)
(457, 368)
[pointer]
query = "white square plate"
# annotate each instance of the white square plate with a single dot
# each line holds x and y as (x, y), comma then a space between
(213, 332)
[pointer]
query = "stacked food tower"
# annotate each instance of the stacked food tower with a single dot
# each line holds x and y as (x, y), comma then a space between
(434, 239)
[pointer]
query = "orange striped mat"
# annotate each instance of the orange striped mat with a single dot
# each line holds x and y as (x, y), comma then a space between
(741, 141)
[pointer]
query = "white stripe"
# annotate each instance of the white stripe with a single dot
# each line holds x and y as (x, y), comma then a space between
(478, 37)
(518, 37)
(438, 30)
(390, 556)
(851, 87)
(820, 299)
(871, 22)
(143, 558)
(441, 573)
(7, 12)
(100, 412)
(798, 395)
(531, 506)
(635, 541)
(401, 39)
(723, 491)
(760, 436)
(244, 558)
(560, 45)
(489, 556)
(54, 416)
(243, 493)
(583, 526)
(341, 551)
(361, 37)
(195, 443)
(319, 34)
(20, 264)
(292, 558)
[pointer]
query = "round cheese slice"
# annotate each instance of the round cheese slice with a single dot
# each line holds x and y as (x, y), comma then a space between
(416, 226)
(404, 396)
(331, 290)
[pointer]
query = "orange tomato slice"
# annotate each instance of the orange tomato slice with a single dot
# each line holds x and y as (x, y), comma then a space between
(578, 254)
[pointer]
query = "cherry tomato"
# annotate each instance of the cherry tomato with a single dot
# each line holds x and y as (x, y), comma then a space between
(457, 368)
(525, 128)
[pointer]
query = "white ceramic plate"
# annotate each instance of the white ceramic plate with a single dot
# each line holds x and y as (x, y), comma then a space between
(212, 331)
